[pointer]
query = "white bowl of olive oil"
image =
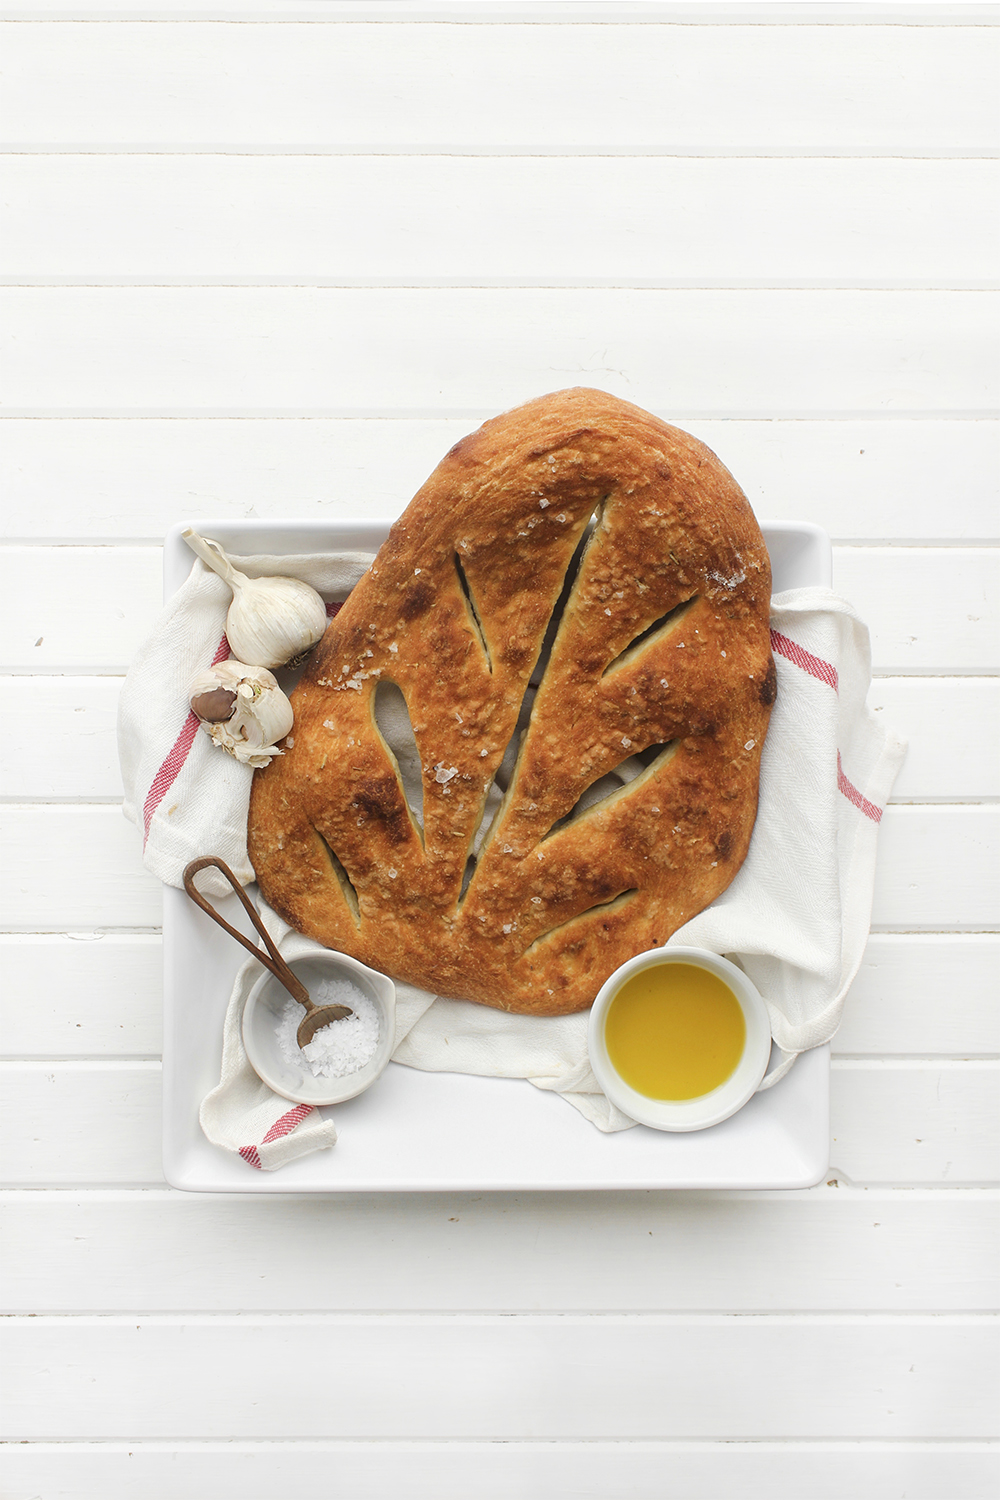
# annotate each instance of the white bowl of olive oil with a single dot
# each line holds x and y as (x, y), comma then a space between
(679, 1038)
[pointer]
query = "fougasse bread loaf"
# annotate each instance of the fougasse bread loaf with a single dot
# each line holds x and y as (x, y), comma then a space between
(574, 609)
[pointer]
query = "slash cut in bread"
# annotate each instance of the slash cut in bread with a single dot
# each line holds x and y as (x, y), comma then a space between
(574, 612)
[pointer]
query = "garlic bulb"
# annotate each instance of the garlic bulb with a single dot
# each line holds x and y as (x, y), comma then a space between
(242, 709)
(271, 621)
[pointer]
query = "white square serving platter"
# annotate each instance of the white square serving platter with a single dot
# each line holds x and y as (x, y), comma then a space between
(431, 1132)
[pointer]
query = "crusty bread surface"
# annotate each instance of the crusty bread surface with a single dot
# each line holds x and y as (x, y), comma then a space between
(574, 609)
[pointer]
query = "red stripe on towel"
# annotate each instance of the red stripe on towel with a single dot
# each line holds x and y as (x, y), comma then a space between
(281, 1127)
(826, 672)
(852, 794)
(174, 763)
(287, 1123)
(814, 665)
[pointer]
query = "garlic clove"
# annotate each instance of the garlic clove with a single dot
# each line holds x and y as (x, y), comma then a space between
(271, 621)
(214, 706)
(260, 713)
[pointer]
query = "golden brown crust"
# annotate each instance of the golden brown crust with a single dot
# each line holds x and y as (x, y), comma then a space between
(454, 612)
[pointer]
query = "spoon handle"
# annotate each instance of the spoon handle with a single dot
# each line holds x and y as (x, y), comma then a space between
(275, 962)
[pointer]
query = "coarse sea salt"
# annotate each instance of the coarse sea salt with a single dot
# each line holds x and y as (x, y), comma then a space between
(342, 1047)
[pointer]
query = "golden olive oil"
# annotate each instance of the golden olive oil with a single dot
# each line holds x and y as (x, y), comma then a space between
(674, 1031)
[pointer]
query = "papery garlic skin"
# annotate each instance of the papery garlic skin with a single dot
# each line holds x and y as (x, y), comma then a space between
(262, 714)
(271, 621)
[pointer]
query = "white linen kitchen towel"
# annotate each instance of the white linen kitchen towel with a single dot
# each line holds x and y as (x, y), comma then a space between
(796, 916)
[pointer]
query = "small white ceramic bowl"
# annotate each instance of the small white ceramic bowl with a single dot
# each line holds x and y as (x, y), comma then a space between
(707, 1109)
(262, 1012)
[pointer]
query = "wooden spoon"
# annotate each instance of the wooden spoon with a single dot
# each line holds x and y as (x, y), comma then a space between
(316, 1016)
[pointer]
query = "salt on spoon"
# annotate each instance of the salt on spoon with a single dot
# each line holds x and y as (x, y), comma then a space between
(316, 1015)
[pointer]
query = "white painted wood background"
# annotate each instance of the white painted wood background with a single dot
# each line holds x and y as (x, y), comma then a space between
(271, 260)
